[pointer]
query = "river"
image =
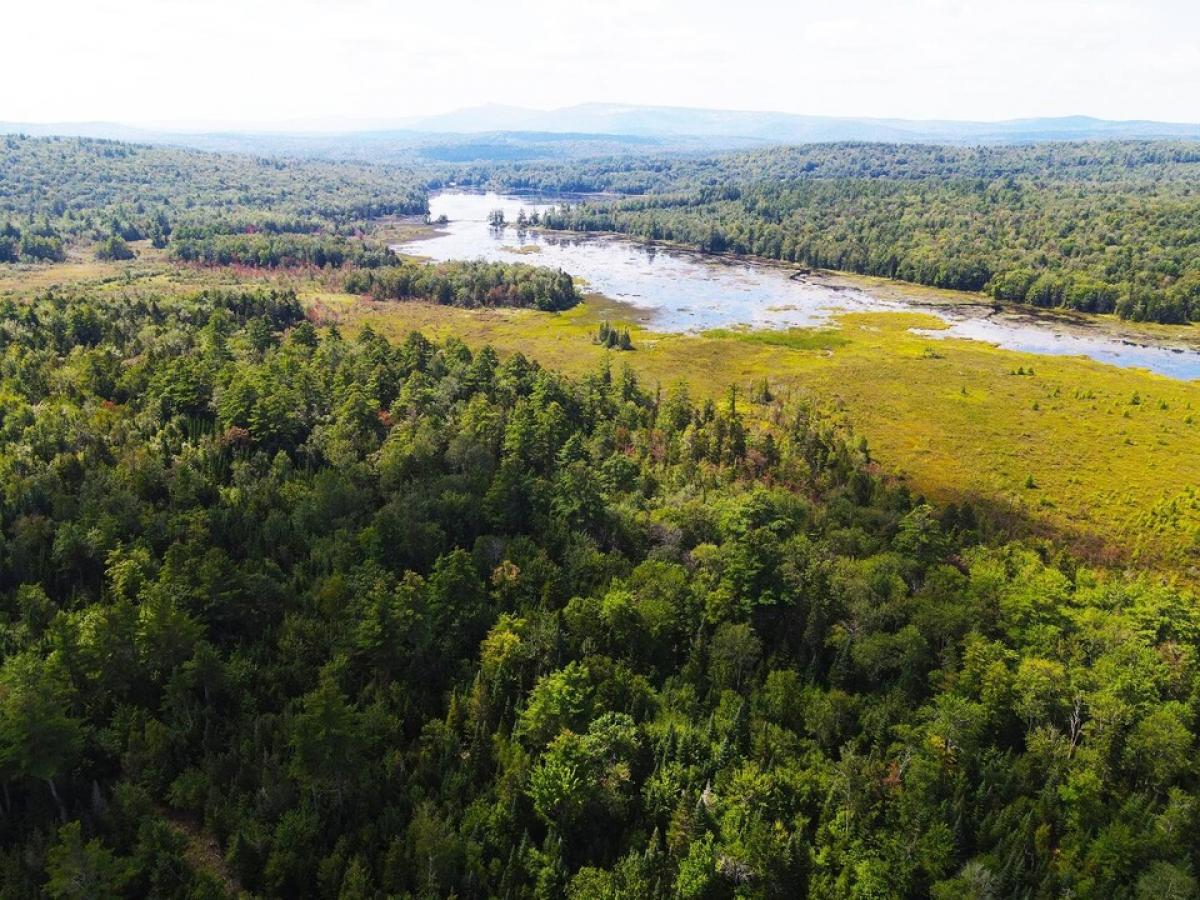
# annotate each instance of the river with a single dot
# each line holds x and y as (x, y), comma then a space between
(676, 291)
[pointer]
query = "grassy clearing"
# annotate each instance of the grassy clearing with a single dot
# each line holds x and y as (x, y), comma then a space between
(398, 229)
(153, 272)
(1105, 458)
(1108, 324)
(795, 339)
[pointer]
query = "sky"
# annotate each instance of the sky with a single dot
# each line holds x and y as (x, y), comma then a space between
(275, 63)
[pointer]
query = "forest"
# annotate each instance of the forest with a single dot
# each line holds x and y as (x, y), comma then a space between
(89, 189)
(291, 608)
(34, 243)
(405, 619)
(278, 250)
(472, 283)
(1101, 228)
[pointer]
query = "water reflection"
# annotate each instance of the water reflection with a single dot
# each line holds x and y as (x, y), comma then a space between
(676, 291)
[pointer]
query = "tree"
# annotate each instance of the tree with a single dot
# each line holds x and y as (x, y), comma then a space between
(114, 247)
(1159, 748)
(586, 779)
(561, 699)
(326, 741)
(734, 652)
(79, 871)
(38, 736)
(1164, 881)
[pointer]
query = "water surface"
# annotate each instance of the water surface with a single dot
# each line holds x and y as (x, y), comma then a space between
(669, 290)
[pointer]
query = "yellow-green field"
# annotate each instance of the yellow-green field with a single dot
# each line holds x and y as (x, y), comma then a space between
(1106, 459)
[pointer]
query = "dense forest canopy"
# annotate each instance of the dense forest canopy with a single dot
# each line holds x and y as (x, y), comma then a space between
(225, 210)
(294, 613)
(382, 274)
(1092, 162)
(470, 283)
(410, 620)
(1104, 227)
(93, 188)
(268, 249)
(1097, 227)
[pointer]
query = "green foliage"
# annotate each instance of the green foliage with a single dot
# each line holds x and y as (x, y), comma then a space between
(613, 338)
(470, 284)
(1098, 227)
(269, 251)
(80, 871)
(38, 737)
(82, 187)
(406, 619)
(114, 247)
(33, 243)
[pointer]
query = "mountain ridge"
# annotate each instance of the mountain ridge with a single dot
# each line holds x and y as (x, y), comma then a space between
(781, 127)
(601, 128)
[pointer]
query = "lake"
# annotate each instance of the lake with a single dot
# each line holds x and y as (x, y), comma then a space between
(676, 291)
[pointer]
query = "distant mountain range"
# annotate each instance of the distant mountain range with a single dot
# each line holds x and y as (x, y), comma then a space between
(395, 144)
(511, 132)
(776, 127)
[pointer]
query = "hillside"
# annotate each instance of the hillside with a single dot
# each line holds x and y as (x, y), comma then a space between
(1097, 227)
(633, 122)
(88, 187)
(330, 572)
(407, 618)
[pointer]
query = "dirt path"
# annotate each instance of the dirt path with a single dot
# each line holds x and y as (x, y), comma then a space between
(202, 852)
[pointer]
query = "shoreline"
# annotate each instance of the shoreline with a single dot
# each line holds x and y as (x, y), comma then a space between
(1174, 338)
(1179, 338)
(964, 306)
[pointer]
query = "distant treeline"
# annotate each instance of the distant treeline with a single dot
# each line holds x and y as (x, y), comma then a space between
(249, 222)
(90, 189)
(381, 273)
(34, 243)
(266, 250)
(468, 283)
(1106, 227)
(1111, 162)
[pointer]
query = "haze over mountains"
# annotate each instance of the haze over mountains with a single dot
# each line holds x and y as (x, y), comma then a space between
(778, 127)
(494, 131)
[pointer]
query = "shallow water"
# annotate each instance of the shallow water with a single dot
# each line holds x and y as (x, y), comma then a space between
(671, 290)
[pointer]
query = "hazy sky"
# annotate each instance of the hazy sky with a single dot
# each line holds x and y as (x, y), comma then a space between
(269, 61)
